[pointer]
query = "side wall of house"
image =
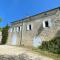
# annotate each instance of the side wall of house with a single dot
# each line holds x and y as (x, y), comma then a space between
(45, 33)
(25, 37)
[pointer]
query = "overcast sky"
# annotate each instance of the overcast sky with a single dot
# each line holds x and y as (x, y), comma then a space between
(12, 10)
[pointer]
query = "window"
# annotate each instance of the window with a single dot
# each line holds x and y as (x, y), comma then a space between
(46, 24)
(18, 28)
(29, 27)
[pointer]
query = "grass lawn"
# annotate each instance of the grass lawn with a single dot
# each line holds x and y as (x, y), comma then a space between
(46, 53)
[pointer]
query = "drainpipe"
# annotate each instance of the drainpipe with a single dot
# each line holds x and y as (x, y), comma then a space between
(21, 34)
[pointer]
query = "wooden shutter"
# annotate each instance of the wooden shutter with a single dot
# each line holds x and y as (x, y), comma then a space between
(43, 24)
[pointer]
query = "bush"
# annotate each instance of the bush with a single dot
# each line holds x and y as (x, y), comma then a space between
(5, 34)
(52, 45)
(44, 45)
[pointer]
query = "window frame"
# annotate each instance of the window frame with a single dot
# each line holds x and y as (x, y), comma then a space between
(19, 28)
(46, 24)
(49, 23)
(29, 27)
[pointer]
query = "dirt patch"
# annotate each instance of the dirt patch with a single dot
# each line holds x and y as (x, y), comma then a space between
(19, 53)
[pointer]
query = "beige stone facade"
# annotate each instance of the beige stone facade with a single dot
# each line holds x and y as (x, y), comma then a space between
(45, 25)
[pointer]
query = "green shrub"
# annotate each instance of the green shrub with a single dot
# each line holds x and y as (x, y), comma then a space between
(5, 34)
(44, 45)
(52, 45)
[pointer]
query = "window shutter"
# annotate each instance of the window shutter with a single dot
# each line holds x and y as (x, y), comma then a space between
(43, 24)
(50, 24)
(31, 26)
(17, 29)
(27, 27)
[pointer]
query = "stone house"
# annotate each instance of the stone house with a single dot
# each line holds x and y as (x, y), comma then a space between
(31, 31)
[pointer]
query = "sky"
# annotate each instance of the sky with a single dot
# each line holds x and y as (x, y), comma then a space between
(13, 10)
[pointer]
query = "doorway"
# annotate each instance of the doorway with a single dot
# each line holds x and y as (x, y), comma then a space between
(37, 41)
(14, 38)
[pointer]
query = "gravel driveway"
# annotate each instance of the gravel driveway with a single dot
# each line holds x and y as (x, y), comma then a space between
(12, 51)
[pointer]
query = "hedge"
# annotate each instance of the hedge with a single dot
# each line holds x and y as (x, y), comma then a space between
(52, 45)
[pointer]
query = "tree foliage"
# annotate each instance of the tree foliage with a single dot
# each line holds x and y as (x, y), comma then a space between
(0, 19)
(5, 34)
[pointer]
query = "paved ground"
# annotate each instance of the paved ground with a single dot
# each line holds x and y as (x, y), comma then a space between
(13, 50)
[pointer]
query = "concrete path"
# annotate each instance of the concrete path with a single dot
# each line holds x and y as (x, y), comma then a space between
(13, 50)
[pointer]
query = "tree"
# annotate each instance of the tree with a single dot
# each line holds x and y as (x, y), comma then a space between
(0, 19)
(5, 34)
